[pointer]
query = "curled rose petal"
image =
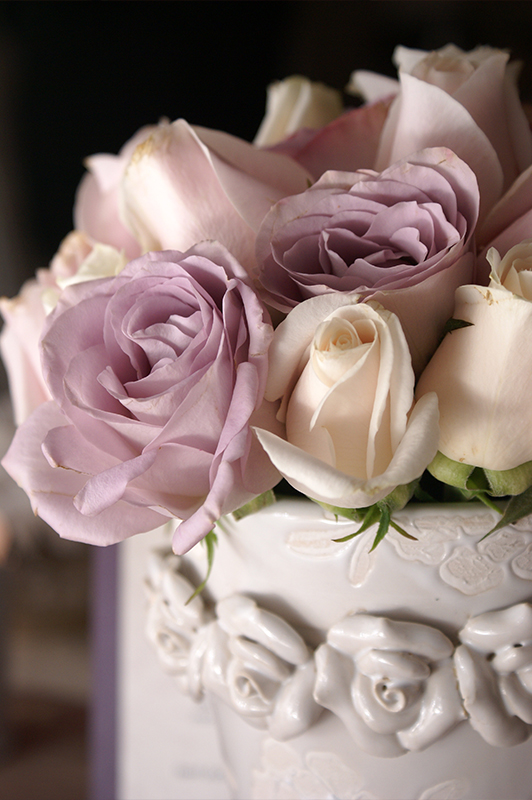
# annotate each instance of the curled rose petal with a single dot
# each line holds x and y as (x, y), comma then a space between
(333, 691)
(483, 702)
(295, 710)
(241, 616)
(360, 631)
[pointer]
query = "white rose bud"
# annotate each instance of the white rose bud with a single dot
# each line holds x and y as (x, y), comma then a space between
(344, 373)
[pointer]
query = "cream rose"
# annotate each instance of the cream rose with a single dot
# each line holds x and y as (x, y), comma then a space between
(78, 259)
(296, 103)
(514, 271)
(344, 374)
(482, 375)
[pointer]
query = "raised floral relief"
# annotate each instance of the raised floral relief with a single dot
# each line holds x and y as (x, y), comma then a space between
(259, 665)
(494, 670)
(285, 774)
(173, 624)
(396, 685)
(390, 682)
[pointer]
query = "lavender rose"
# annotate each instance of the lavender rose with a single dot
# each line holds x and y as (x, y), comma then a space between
(155, 374)
(402, 237)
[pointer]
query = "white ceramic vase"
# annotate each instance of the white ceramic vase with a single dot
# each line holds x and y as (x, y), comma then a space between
(399, 674)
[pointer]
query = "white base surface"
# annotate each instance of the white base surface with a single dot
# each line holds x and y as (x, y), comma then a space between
(167, 744)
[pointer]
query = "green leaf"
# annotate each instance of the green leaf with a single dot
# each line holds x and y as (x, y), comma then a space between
(518, 507)
(262, 501)
(453, 325)
(210, 541)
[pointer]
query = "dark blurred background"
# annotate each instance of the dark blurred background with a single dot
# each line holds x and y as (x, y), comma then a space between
(81, 77)
(78, 78)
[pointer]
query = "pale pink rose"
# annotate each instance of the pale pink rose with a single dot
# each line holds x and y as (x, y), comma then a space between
(155, 375)
(510, 220)
(482, 375)
(467, 102)
(296, 103)
(344, 375)
(348, 143)
(98, 201)
(184, 185)
(173, 185)
(24, 316)
(403, 236)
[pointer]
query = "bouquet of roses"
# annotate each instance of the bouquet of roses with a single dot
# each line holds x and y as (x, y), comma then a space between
(316, 305)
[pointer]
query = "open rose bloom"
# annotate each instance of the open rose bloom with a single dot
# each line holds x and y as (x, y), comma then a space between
(147, 379)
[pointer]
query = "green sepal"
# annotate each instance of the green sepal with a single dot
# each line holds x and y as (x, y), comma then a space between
(518, 507)
(510, 481)
(451, 472)
(480, 483)
(401, 495)
(371, 516)
(210, 541)
(379, 513)
(384, 524)
(262, 501)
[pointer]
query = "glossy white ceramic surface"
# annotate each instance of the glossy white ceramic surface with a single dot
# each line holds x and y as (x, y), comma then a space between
(339, 673)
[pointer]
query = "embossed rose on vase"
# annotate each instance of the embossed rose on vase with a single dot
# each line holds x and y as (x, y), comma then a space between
(174, 621)
(260, 666)
(494, 670)
(390, 682)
